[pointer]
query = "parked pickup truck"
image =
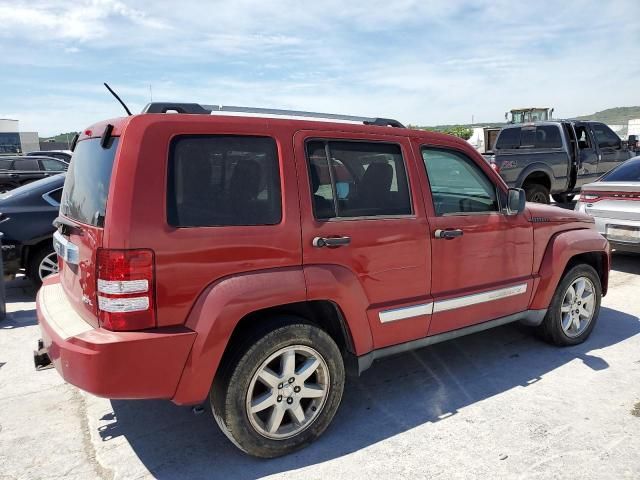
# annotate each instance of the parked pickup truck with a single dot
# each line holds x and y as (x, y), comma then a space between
(305, 249)
(556, 157)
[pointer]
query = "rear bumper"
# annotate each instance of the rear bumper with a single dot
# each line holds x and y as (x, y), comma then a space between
(110, 364)
(601, 225)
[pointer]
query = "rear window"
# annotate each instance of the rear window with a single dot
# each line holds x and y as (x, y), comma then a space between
(541, 136)
(508, 138)
(223, 180)
(627, 172)
(84, 197)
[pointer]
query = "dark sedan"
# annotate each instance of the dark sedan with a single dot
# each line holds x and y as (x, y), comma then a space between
(17, 171)
(63, 155)
(26, 216)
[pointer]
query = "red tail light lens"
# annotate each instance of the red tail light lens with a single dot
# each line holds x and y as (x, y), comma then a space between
(125, 289)
(589, 197)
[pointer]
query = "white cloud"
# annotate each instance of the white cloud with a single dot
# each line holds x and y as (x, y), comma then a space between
(425, 62)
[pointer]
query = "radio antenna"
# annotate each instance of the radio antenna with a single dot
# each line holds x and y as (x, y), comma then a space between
(118, 98)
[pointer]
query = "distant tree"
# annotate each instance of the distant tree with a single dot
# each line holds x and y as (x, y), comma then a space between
(460, 131)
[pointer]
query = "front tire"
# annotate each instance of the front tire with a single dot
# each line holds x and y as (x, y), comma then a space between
(280, 389)
(563, 197)
(574, 307)
(537, 193)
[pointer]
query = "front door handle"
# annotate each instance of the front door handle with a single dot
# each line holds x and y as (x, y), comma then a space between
(448, 234)
(331, 241)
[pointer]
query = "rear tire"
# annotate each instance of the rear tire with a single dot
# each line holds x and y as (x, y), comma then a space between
(574, 308)
(279, 390)
(42, 263)
(537, 193)
(563, 197)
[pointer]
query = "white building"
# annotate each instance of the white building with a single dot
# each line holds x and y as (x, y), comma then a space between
(634, 127)
(12, 140)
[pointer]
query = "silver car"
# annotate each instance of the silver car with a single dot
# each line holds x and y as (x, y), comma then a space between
(614, 202)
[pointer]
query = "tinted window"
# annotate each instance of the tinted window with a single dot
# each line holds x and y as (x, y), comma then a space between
(548, 136)
(541, 136)
(458, 185)
(605, 137)
(627, 172)
(508, 138)
(86, 187)
(223, 180)
(362, 179)
(52, 165)
(56, 195)
(27, 165)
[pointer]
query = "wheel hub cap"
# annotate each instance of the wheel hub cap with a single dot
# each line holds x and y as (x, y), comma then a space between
(287, 392)
(578, 305)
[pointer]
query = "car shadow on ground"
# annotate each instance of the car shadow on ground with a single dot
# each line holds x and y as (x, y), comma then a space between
(20, 290)
(395, 395)
(626, 262)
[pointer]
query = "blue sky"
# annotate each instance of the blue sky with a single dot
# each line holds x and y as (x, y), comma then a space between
(422, 62)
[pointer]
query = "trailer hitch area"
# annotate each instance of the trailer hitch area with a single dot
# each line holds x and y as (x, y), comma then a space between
(41, 357)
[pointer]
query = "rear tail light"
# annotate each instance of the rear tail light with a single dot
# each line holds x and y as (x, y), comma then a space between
(126, 289)
(589, 197)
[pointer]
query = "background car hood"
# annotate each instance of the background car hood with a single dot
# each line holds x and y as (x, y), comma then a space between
(539, 213)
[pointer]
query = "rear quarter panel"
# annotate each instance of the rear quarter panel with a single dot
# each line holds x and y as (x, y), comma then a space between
(188, 260)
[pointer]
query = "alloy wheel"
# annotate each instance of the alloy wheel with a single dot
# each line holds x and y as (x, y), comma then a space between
(48, 266)
(578, 305)
(287, 392)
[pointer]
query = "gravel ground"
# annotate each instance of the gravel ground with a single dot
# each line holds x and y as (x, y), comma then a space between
(499, 403)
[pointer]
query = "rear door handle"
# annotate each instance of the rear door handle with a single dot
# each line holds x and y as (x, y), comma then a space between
(448, 234)
(331, 241)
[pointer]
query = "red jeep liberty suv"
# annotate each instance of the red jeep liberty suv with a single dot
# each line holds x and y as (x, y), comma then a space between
(254, 260)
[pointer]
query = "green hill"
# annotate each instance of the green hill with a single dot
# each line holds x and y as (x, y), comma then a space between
(61, 137)
(614, 116)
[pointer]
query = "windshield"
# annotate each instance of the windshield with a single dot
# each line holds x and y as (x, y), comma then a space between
(87, 184)
(627, 172)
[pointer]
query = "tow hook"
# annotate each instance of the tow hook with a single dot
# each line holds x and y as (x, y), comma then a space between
(41, 357)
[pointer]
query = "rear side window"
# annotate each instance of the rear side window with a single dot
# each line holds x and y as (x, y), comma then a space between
(27, 165)
(357, 179)
(223, 180)
(508, 138)
(541, 136)
(86, 186)
(627, 172)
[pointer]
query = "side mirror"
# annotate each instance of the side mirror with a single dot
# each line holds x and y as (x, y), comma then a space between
(516, 199)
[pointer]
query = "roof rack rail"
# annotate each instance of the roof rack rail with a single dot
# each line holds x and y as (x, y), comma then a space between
(197, 109)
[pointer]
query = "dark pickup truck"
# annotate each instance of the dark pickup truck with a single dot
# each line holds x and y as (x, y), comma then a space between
(556, 157)
(19, 170)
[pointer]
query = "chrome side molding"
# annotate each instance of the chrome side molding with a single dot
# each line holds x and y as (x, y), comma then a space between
(411, 311)
(402, 313)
